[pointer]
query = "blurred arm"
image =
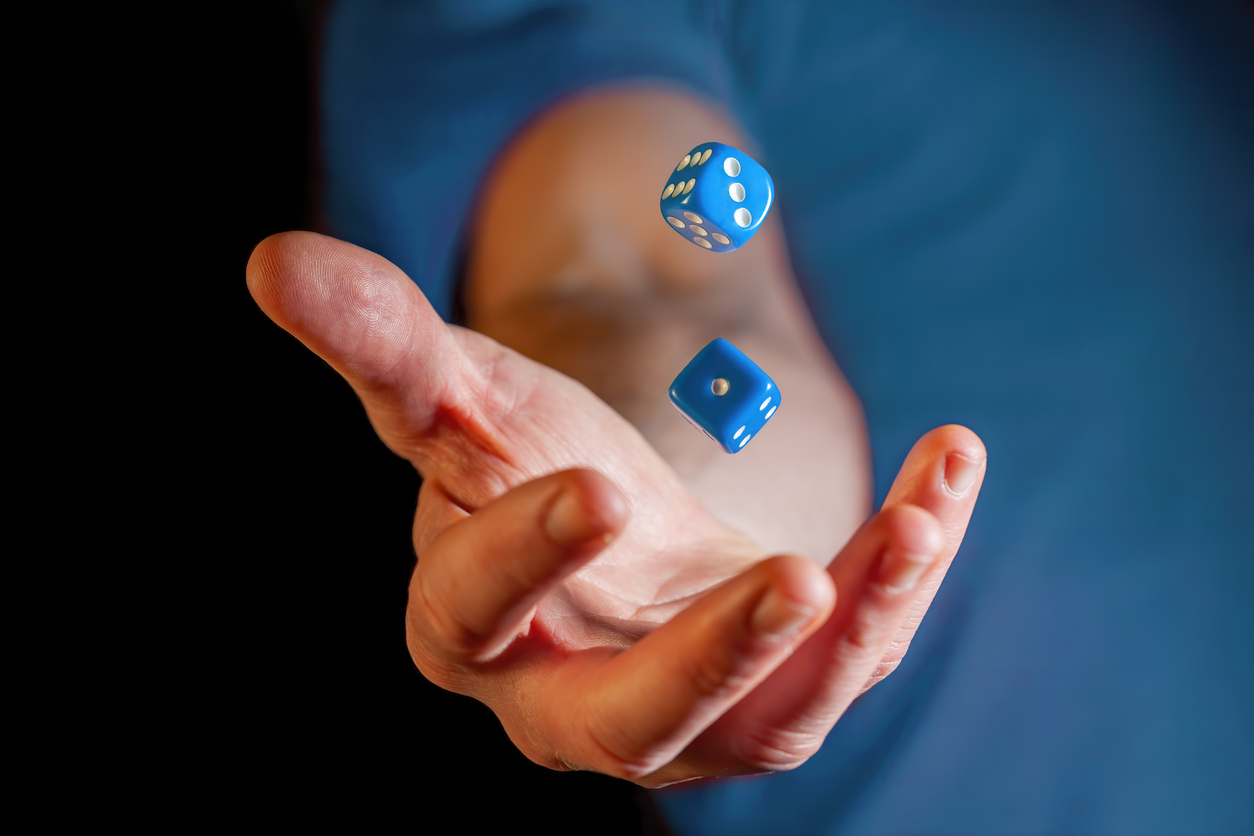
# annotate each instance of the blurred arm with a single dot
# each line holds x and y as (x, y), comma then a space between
(572, 265)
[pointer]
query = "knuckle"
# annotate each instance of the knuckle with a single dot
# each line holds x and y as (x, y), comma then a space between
(627, 765)
(868, 634)
(713, 676)
(582, 731)
(428, 620)
(894, 523)
(457, 640)
(775, 750)
(856, 642)
(596, 743)
(437, 671)
(530, 742)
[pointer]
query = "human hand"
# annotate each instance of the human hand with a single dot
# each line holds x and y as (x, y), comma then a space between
(567, 579)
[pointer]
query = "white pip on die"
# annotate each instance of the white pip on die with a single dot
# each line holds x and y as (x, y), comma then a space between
(717, 197)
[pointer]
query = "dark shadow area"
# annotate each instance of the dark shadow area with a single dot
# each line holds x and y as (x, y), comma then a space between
(312, 690)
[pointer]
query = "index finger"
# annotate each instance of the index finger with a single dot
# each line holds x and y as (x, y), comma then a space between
(478, 579)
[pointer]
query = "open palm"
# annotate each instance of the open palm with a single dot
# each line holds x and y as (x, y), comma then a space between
(569, 580)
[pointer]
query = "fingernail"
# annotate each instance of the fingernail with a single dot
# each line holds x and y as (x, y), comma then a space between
(568, 522)
(959, 474)
(779, 618)
(900, 571)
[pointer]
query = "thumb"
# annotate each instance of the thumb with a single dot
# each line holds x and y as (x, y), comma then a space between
(372, 324)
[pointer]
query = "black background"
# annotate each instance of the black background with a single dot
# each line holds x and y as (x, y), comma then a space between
(311, 689)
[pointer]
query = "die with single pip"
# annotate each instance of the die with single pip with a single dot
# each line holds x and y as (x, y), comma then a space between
(725, 395)
(717, 197)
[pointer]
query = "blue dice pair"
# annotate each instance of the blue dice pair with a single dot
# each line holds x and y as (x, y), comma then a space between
(725, 395)
(717, 197)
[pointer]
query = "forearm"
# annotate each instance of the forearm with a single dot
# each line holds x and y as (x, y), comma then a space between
(572, 265)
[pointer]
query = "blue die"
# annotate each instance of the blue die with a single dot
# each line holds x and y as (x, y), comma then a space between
(717, 197)
(725, 395)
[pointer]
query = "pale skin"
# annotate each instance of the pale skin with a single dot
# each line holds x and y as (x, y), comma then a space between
(626, 597)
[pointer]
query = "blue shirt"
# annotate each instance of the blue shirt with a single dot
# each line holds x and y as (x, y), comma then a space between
(1035, 220)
